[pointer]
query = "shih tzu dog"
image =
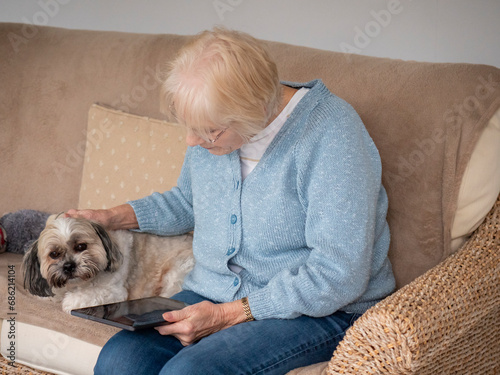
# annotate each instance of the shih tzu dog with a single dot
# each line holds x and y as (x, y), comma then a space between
(79, 263)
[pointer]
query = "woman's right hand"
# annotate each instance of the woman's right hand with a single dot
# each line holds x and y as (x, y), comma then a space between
(119, 217)
(102, 217)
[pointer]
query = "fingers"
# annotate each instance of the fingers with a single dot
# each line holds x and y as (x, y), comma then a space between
(73, 213)
(189, 324)
(98, 216)
(83, 214)
(119, 217)
(182, 330)
(174, 316)
(182, 327)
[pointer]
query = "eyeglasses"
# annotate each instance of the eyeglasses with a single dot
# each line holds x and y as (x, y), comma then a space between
(174, 115)
(217, 136)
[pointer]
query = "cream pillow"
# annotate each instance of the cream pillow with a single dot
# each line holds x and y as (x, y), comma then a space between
(480, 184)
(128, 157)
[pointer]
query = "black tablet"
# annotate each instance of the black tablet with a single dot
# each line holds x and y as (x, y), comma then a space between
(131, 315)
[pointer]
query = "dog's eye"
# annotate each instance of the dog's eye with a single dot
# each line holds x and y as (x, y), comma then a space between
(54, 255)
(81, 247)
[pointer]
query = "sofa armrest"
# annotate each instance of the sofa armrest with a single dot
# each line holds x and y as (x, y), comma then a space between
(446, 321)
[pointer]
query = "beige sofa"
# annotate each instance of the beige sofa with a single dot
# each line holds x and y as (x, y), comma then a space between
(80, 127)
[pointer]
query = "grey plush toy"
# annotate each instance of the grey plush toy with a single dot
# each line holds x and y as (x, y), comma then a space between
(19, 229)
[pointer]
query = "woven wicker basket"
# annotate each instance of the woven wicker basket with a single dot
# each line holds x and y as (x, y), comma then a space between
(445, 322)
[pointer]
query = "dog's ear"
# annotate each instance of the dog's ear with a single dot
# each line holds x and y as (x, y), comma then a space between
(33, 280)
(112, 252)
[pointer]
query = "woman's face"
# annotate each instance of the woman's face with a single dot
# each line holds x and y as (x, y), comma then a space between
(224, 141)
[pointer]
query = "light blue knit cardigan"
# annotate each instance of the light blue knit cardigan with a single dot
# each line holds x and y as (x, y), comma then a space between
(308, 225)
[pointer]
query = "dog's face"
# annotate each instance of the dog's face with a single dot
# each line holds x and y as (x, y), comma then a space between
(68, 249)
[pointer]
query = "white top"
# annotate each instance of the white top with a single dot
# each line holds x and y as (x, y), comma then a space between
(251, 152)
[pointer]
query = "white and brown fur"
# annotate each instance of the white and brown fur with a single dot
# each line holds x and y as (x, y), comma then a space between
(79, 263)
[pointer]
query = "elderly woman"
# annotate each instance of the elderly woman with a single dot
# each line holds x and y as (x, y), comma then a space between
(282, 187)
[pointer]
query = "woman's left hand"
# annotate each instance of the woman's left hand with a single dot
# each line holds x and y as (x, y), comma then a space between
(194, 322)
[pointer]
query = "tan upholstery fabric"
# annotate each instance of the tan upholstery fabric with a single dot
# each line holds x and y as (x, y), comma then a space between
(128, 157)
(316, 369)
(50, 78)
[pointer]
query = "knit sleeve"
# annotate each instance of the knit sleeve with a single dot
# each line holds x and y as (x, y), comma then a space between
(169, 213)
(339, 186)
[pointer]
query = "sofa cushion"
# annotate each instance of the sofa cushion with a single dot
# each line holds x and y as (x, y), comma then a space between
(480, 184)
(48, 350)
(128, 157)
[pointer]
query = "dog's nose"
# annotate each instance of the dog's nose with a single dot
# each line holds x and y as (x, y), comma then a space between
(69, 268)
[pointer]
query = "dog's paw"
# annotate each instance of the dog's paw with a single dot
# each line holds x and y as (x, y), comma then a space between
(67, 307)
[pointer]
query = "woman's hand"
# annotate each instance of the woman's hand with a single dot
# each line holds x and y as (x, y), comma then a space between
(99, 216)
(120, 217)
(194, 322)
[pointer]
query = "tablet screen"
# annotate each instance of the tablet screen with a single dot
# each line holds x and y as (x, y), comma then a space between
(131, 315)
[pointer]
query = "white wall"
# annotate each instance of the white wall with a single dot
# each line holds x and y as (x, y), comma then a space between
(424, 30)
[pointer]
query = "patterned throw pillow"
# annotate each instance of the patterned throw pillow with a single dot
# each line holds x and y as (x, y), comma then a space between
(128, 157)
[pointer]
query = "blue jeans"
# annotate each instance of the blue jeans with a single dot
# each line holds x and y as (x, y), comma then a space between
(273, 346)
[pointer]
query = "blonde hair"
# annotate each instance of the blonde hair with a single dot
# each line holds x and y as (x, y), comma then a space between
(222, 79)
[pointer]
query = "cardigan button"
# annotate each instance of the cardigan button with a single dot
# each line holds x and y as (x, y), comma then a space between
(234, 219)
(236, 281)
(230, 251)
